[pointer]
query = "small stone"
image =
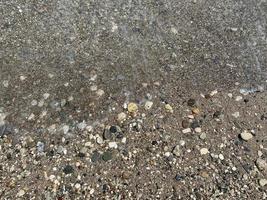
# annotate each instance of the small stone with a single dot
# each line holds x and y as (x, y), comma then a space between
(99, 140)
(238, 98)
(93, 88)
(121, 117)
(177, 151)
(221, 157)
(195, 124)
(148, 105)
(204, 151)
(46, 95)
(191, 102)
(40, 147)
(179, 177)
(217, 114)
(169, 108)
(132, 107)
(195, 111)
(263, 182)
(34, 102)
(182, 142)
(198, 130)
(5, 83)
(21, 193)
(100, 92)
(96, 156)
(261, 164)
(68, 169)
(107, 156)
(107, 135)
(245, 135)
(113, 129)
(214, 92)
(22, 78)
(203, 136)
(82, 125)
(187, 130)
(185, 123)
(65, 129)
(236, 114)
(113, 145)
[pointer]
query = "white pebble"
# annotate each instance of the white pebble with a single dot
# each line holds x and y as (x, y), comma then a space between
(148, 105)
(82, 125)
(123, 140)
(113, 145)
(93, 88)
(236, 114)
(245, 135)
(22, 78)
(198, 130)
(21, 193)
(187, 130)
(99, 140)
(221, 157)
(238, 98)
(100, 92)
(263, 182)
(34, 102)
(46, 95)
(121, 116)
(204, 151)
(5, 83)
(203, 136)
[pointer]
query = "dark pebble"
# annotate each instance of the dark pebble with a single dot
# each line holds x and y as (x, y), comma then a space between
(107, 156)
(191, 102)
(68, 169)
(81, 155)
(154, 142)
(105, 188)
(95, 157)
(119, 135)
(217, 114)
(195, 124)
(113, 129)
(179, 177)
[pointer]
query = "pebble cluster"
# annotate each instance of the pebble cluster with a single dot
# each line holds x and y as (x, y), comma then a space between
(210, 146)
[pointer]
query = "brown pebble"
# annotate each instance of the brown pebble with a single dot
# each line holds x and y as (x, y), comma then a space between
(185, 123)
(126, 175)
(195, 111)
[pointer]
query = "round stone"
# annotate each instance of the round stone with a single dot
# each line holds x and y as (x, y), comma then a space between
(245, 135)
(132, 107)
(148, 105)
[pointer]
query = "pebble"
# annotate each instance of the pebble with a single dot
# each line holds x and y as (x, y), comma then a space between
(198, 130)
(68, 169)
(187, 130)
(185, 123)
(21, 193)
(107, 156)
(238, 98)
(191, 102)
(169, 108)
(132, 107)
(245, 135)
(100, 92)
(261, 164)
(236, 114)
(93, 88)
(121, 117)
(40, 147)
(195, 111)
(221, 157)
(46, 95)
(263, 182)
(65, 129)
(99, 140)
(113, 145)
(96, 156)
(203, 136)
(82, 125)
(5, 83)
(22, 78)
(177, 151)
(34, 102)
(204, 151)
(214, 92)
(148, 105)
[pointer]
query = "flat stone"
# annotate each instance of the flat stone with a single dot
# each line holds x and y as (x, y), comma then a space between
(203, 136)
(107, 156)
(187, 130)
(246, 135)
